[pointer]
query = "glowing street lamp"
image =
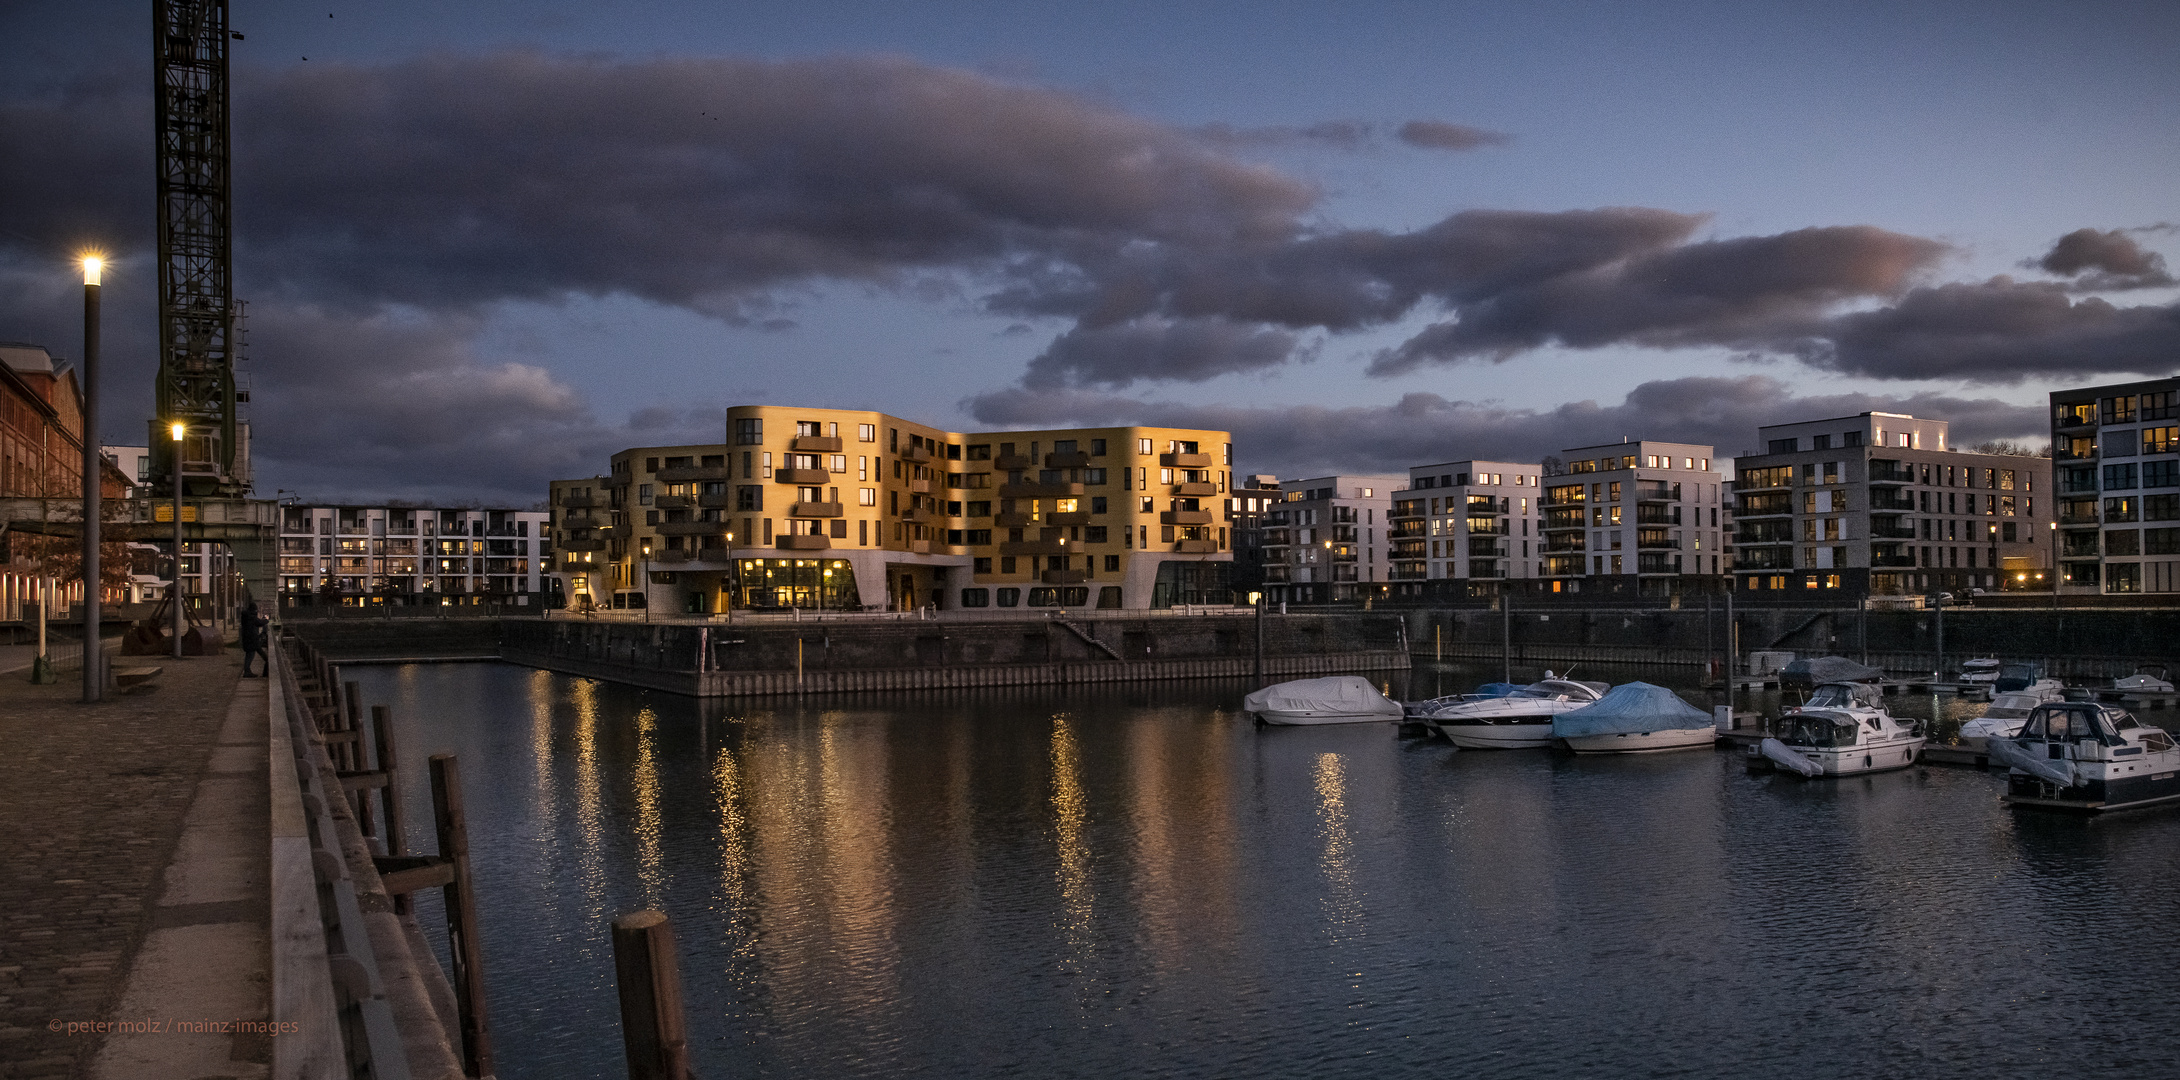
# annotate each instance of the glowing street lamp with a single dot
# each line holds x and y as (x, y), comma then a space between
(94, 684)
(178, 429)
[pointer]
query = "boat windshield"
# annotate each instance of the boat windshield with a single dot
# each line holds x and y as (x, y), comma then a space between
(1813, 729)
(2068, 722)
(1556, 688)
(1841, 696)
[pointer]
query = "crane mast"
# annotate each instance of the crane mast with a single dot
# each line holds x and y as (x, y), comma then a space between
(198, 317)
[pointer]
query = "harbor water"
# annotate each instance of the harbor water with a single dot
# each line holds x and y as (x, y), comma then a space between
(1134, 880)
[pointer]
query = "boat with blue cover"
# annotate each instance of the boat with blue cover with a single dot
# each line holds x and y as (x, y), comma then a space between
(1635, 718)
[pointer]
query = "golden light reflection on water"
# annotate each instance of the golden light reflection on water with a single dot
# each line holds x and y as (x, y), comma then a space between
(1071, 815)
(733, 844)
(589, 810)
(1343, 908)
(645, 778)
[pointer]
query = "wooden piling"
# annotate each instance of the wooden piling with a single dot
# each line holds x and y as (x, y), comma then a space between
(654, 1029)
(463, 944)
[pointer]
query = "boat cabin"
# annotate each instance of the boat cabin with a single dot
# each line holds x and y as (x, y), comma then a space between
(2087, 721)
(1840, 695)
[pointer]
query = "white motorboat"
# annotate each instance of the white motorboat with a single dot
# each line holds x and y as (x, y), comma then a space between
(2005, 715)
(1515, 721)
(1842, 730)
(2142, 682)
(2088, 758)
(1635, 718)
(1984, 671)
(1336, 699)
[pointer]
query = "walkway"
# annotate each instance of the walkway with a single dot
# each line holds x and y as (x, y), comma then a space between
(98, 803)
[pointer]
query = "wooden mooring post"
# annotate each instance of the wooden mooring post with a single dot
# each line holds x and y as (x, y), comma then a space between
(654, 1027)
(449, 871)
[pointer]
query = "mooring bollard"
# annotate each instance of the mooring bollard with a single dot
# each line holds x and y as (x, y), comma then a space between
(653, 1027)
(463, 946)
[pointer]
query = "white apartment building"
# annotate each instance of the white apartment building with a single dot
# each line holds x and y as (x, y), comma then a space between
(1330, 538)
(1472, 524)
(1638, 517)
(355, 555)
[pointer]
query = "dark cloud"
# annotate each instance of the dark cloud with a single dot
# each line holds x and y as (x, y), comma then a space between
(2105, 261)
(1310, 440)
(1439, 135)
(1152, 348)
(1998, 330)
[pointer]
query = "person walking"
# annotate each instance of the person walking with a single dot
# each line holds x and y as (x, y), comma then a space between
(253, 639)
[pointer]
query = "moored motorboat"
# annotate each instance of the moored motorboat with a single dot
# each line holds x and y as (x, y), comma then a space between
(2024, 676)
(1518, 720)
(2085, 757)
(1635, 718)
(1842, 730)
(1335, 699)
(1984, 671)
(2005, 715)
(2142, 682)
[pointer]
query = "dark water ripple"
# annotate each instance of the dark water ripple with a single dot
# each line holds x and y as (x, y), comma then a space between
(1135, 882)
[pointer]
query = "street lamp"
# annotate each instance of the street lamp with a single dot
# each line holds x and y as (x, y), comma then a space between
(645, 592)
(2054, 564)
(94, 685)
(178, 429)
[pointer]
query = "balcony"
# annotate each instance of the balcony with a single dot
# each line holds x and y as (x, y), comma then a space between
(1032, 547)
(682, 474)
(1551, 525)
(2079, 517)
(671, 555)
(1196, 489)
(671, 502)
(800, 476)
(1655, 564)
(1890, 472)
(1064, 577)
(1882, 500)
(802, 543)
(1077, 518)
(1879, 557)
(714, 502)
(1011, 519)
(1654, 491)
(1493, 527)
(1576, 499)
(814, 444)
(923, 485)
(1028, 490)
(1764, 505)
(1196, 547)
(1559, 545)
(1076, 460)
(918, 454)
(1657, 544)
(2064, 417)
(578, 502)
(582, 545)
(1184, 461)
(1184, 517)
(583, 520)
(690, 528)
(1487, 551)
(1012, 462)
(1892, 532)
(814, 510)
(1657, 515)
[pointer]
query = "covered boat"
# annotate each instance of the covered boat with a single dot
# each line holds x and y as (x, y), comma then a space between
(1334, 699)
(1818, 670)
(1635, 718)
(2005, 715)
(1983, 671)
(2087, 758)
(2143, 682)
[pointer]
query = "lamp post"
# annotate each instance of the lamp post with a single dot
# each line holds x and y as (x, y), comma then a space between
(646, 583)
(94, 685)
(178, 429)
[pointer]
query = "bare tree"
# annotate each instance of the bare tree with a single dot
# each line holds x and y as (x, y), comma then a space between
(2010, 448)
(1553, 466)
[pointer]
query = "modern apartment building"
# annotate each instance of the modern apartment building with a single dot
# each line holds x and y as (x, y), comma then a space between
(2116, 453)
(1254, 498)
(1880, 504)
(1465, 528)
(1330, 539)
(854, 510)
(1633, 518)
(355, 555)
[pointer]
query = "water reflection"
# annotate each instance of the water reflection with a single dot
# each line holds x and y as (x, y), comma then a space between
(1134, 881)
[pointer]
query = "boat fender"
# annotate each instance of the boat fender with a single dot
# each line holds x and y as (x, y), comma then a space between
(1779, 752)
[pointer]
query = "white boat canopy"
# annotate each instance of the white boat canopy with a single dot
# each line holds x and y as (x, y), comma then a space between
(1331, 694)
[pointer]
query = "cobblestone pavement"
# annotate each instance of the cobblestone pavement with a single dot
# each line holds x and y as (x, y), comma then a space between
(92, 800)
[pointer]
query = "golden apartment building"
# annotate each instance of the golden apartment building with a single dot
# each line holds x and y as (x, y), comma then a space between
(850, 510)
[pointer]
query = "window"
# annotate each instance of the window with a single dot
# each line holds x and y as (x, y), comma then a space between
(2123, 578)
(1852, 438)
(2161, 508)
(1093, 534)
(976, 598)
(1143, 446)
(1097, 504)
(643, 492)
(1097, 448)
(1010, 597)
(2161, 541)
(749, 497)
(2119, 410)
(2117, 443)
(2121, 509)
(749, 431)
(2123, 541)
(2158, 474)
(1112, 562)
(866, 433)
(2119, 477)
(1006, 566)
(2158, 406)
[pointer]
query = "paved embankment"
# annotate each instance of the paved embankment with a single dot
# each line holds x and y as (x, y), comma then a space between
(130, 844)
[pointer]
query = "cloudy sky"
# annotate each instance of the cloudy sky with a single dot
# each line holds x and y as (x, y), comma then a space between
(487, 243)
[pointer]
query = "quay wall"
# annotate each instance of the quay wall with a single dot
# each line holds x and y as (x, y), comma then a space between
(722, 660)
(2077, 643)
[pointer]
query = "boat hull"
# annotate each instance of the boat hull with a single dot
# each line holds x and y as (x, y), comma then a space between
(1647, 742)
(1852, 760)
(1506, 734)
(1308, 718)
(2096, 795)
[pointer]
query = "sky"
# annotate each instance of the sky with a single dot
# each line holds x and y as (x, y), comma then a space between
(487, 244)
